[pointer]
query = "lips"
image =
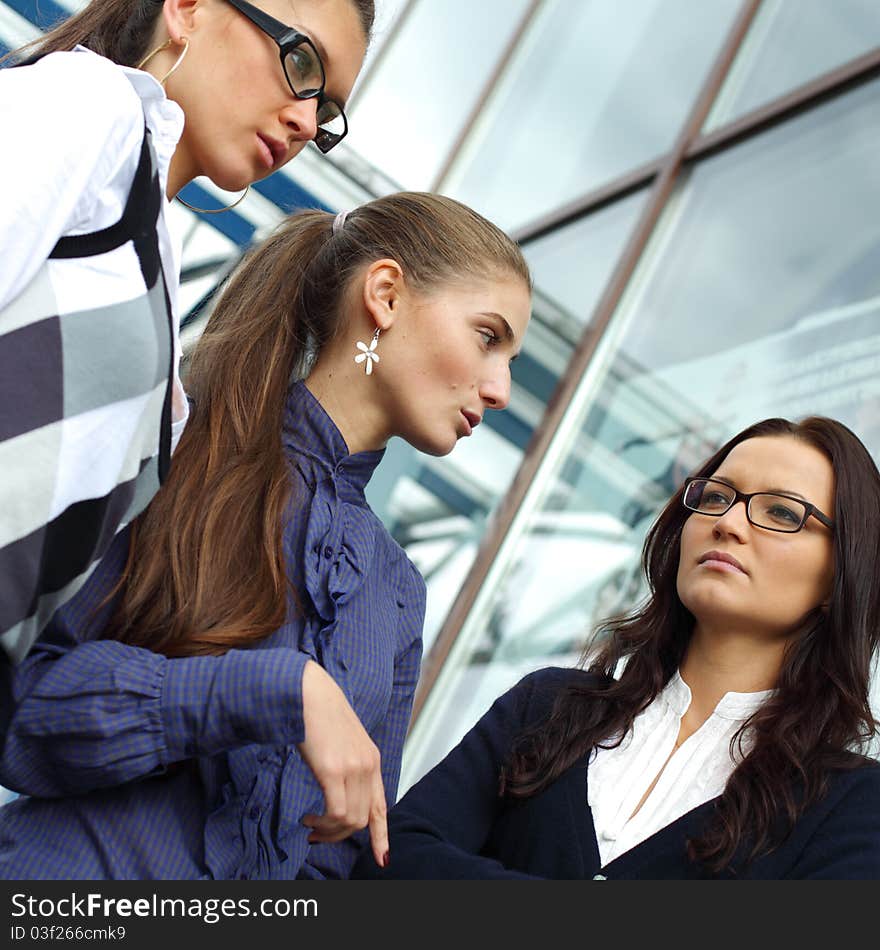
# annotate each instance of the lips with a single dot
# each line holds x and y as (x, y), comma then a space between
(277, 150)
(472, 419)
(719, 558)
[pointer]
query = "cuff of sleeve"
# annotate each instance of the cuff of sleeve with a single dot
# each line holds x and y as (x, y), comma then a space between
(213, 704)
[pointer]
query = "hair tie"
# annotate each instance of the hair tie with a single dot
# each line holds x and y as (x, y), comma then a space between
(339, 221)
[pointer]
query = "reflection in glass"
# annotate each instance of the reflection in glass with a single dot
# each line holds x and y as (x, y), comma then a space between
(596, 89)
(436, 509)
(758, 295)
(791, 42)
(413, 107)
(571, 266)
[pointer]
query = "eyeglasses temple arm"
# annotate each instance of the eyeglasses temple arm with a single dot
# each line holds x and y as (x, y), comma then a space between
(274, 28)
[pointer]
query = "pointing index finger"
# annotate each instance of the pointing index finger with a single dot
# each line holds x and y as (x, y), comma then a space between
(379, 825)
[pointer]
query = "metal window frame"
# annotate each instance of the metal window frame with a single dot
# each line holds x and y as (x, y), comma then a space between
(661, 175)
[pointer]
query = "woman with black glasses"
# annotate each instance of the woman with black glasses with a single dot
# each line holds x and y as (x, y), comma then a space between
(111, 114)
(716, 731)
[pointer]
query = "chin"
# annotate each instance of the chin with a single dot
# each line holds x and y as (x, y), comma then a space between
(703, 602)
(234, 179)
(713, 611)
(235, 183)
(436, 447)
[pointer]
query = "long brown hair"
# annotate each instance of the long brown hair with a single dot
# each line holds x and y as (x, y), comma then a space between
(206, 571)
(122, 30)
(820, 711)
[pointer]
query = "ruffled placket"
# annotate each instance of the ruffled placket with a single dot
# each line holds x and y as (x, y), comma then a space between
(337, 553)
(330, 533)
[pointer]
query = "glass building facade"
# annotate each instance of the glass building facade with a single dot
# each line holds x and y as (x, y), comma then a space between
(696, 187)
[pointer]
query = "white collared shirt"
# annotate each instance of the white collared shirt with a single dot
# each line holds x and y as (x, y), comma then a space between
(695, 773)
(76, 122)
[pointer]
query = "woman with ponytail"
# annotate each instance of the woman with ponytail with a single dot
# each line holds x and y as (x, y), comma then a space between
(228, 694)
(716, 731)
(106, 118)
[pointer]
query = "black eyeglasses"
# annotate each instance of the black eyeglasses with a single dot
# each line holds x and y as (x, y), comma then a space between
(770, 510)
(304, 71)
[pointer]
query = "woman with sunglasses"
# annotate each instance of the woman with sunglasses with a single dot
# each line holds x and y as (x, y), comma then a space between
(715, 731)
(116, 110)
(227, 695)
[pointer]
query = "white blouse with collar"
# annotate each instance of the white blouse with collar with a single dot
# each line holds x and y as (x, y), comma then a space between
(77, 121)
(695, 772)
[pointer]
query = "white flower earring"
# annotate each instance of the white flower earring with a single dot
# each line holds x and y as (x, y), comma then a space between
(368, 354)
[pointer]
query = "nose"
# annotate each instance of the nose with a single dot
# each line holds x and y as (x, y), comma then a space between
(495, 391)
(734, 523)
(301, 118)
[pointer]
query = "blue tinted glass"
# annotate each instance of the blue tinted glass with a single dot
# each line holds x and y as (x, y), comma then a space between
(790, 43)
(596, 89)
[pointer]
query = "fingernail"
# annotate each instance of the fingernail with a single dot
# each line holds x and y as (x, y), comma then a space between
(386, 859)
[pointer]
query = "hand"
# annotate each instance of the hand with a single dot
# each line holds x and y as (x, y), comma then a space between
(346, 763)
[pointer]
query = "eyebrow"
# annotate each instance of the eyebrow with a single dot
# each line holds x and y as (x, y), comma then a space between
(769, 491)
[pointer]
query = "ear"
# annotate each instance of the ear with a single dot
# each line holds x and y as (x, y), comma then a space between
(383, 290)
(179, 17)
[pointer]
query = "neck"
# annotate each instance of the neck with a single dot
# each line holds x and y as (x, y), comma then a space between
(176, 181)
(351, 399)
(179, 174)
(717, 663)
(180, 170)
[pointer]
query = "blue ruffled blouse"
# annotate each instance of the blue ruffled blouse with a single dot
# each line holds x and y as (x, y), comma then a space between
(97, 725)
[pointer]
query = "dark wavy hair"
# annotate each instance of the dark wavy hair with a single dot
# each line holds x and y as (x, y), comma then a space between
(819, 714)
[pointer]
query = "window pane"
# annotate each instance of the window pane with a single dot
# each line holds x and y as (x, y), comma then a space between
(595, 90)
(759, 295)
(571, 266)
(790, 43)
(410, 111)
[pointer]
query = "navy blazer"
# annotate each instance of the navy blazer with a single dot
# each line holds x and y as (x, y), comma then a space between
(453, 825)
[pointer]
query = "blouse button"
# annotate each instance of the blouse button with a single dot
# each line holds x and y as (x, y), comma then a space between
(254, 813)
(328, 552)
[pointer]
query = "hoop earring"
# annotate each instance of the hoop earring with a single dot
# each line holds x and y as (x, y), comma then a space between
(162, 82)
(159, 49)
(237, 201)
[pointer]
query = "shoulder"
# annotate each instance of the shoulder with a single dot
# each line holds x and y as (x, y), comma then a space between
(838, 836)
(534, 696)
(88, 88)
(861, 781)
(851, 798)
(73, 73)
